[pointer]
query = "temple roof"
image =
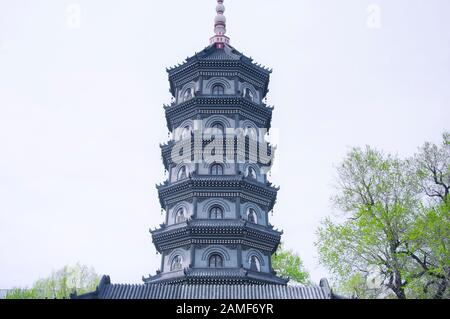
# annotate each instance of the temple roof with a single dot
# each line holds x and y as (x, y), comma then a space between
(213, 59)
(216, 231)
(219, 186)
(209, 276)
(212, 53)
(228, 53)
(177, 113)
(106, 290)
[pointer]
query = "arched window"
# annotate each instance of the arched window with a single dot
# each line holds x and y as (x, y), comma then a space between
(215, 261)
(252, 217)
(216, 170)
(177, 263)
(180, 217)
(186, 132)
(182, 173)
(216, 213)
(188, 94)
(251, 132)
(218, 127)
(251, 172)
(248, 94)
(218, 89)
(255, 264)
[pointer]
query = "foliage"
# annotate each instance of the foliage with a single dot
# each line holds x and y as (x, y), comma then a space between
(288, 264)
(356, 286)
(395, 228)
(60, 284)
(18, 293)
(430, 250)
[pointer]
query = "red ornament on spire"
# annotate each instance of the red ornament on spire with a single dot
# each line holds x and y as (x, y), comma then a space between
(220, 27)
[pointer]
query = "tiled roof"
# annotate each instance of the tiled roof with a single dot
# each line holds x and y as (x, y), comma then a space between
(107, 290)
(208, 276)
(195, 225)
(226, 54)
(211, 292)
(212, 53)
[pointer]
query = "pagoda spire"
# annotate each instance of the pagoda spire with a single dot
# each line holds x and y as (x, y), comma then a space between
(220, 27)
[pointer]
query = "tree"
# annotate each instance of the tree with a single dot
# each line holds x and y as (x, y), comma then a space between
(289, 264)
(18, 293)
(357, 286)
(432, 167)
(429, 250)
(395, 226)
(60, 284)
(376, 195)
(430, 235)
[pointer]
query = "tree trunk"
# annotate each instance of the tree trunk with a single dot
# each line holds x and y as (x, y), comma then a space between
(441, 289)
(396, 285)
(400, 293)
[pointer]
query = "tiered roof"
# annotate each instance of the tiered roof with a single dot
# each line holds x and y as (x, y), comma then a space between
(106, 290)
(221, 62)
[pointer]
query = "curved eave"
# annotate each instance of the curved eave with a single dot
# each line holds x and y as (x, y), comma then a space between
(224, 276)
(208, 225)
(184, 291)
(166, 151)
(204, 55)
(218, 231)
(240, 69)
(231, 186)
(187, 66)
(177, 113)
(235, 61)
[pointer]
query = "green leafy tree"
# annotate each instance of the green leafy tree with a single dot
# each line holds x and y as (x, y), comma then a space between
(395, 224)
(429, 250)
(356, 286)
(18, 293)
(376, 195)
(289, 264)
(430, 236)
(60, 284)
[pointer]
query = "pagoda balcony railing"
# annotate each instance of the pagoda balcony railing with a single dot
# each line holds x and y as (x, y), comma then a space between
(217, 272)
(224, 273)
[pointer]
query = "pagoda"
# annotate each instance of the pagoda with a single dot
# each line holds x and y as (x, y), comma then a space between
(217, 197)
(216, 240)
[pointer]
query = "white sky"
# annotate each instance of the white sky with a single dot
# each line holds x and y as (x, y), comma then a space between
(81, 114)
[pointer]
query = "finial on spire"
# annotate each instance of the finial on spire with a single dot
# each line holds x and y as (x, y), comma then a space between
(220, 27)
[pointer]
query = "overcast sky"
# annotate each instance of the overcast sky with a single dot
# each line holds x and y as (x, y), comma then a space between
(81, 115)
